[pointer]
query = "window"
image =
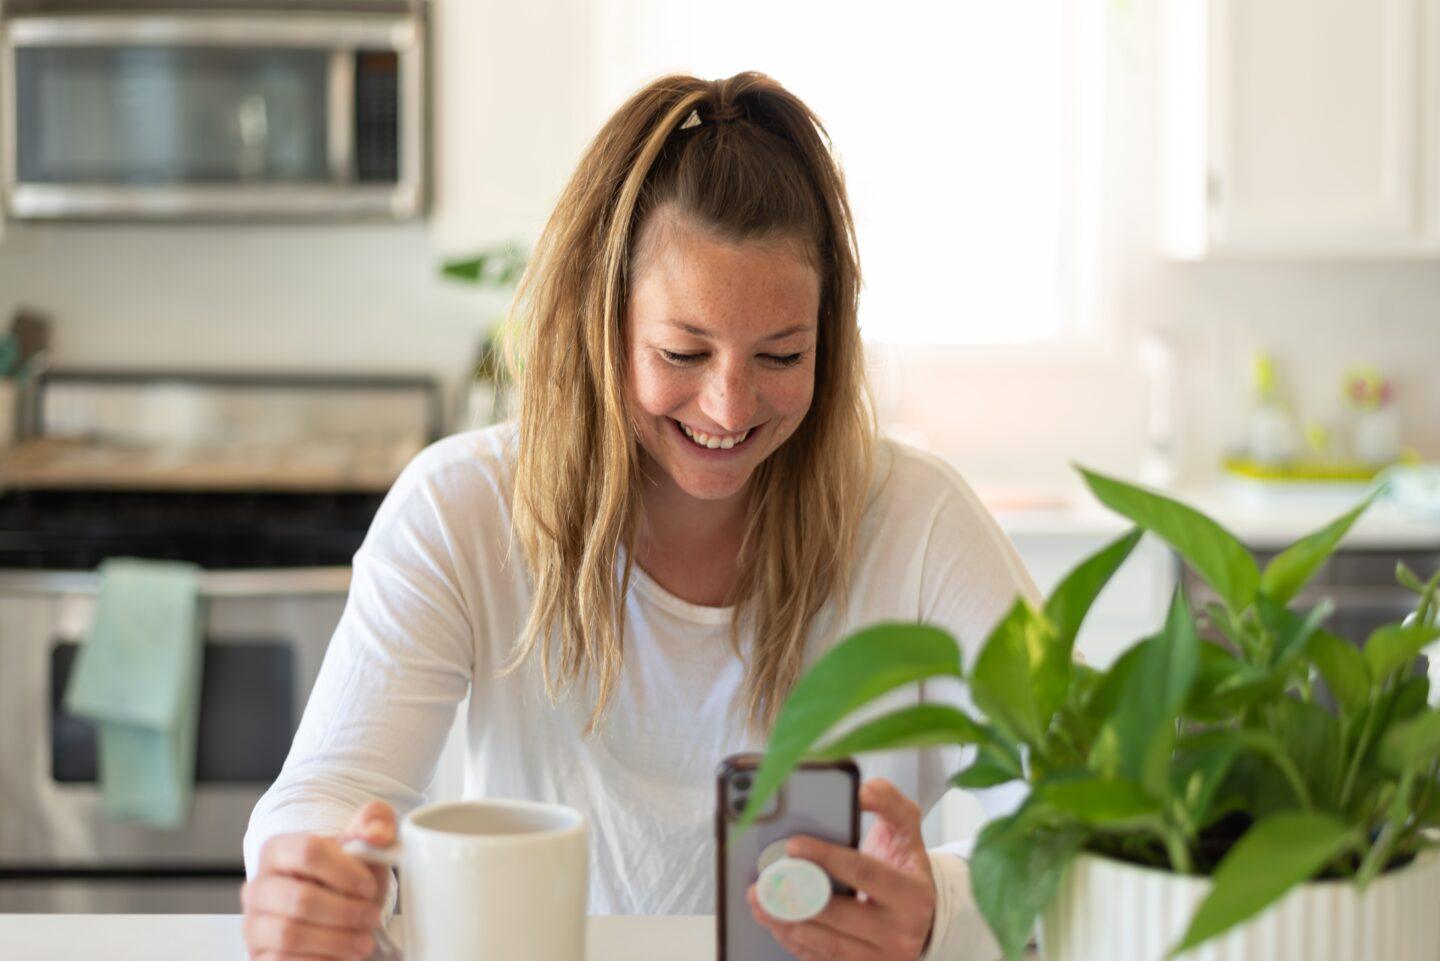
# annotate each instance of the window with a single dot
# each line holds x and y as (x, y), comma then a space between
(968, 131)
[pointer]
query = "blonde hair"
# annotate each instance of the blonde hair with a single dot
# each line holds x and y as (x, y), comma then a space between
(757, 167)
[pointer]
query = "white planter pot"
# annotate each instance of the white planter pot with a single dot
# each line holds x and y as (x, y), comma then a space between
(1111, 911)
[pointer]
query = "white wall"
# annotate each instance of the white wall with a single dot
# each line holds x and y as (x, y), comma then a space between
(369, 298)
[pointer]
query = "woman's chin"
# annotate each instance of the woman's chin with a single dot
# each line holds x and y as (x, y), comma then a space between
(712, 485)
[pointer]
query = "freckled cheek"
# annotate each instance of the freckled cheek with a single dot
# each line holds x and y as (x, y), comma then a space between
(658, 392)
(791, 397)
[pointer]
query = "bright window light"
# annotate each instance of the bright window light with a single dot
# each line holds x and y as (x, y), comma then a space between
(968, 134)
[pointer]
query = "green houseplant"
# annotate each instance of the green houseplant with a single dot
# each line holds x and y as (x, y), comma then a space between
(489, 398)
(1271, 755)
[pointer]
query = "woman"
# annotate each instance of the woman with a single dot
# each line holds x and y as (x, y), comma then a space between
(694, 482)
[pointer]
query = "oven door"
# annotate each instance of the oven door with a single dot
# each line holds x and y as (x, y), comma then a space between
(208, 115)
(265, 635)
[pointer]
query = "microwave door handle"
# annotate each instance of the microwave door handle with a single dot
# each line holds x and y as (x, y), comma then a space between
(341, 130)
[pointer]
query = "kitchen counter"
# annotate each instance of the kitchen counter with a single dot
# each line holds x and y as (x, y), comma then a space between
(1264, 525)
(216, 937)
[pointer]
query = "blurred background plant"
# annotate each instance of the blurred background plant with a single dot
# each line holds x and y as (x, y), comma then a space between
(488, 396)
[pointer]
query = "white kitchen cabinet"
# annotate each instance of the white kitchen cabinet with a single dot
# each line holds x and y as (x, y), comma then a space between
(509, 117)
(1300, 128)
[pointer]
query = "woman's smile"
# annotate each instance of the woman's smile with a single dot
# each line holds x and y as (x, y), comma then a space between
(715, 445)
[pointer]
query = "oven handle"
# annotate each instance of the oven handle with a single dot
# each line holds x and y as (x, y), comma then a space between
(279, 582)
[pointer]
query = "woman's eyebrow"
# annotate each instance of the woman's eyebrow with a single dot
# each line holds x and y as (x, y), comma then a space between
(702, 332)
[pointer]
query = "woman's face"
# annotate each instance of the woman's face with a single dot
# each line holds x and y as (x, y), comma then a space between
(721, 343)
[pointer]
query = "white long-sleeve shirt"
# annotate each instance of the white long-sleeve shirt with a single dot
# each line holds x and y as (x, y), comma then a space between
(440, 594)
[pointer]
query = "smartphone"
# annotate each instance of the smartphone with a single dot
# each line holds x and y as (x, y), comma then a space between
(820, 799)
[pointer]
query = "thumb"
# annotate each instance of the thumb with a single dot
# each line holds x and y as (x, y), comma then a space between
(373, 823)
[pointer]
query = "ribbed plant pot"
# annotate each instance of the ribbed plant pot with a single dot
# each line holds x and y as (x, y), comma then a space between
(1108, 910)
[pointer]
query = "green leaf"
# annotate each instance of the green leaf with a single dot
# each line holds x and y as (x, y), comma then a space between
(1264, 744)
(1310, 737)
(1196, 776)
(1343, 668)
(1014, 873)
(1234, 632)
(1289, 630)
(986, 772)
(1099, 801)
(468, 270)
(1393, 646)
(1102, 701)
(1071, 601)
(1143, 725)
(1021, 676)
(1408, 578)
(1273, 856)
(921, 726)
(1290, 570)
(865, 665)
(1215, 554)
(1225, 686)
(1411, 743)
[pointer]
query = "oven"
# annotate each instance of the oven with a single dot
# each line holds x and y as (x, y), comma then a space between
(264, 636)
(238, 109)
(269, 484)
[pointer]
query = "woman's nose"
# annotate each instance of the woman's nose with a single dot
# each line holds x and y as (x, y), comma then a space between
(730, 398)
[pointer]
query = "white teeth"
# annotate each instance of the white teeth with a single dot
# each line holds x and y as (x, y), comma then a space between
(712, 442)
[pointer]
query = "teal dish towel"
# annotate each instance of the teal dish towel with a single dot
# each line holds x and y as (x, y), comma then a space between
(138, 677)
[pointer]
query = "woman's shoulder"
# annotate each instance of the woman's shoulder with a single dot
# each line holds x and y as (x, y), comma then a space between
(908, 478)
(463, 466)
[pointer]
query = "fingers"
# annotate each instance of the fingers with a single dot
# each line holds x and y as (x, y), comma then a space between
(883, 799)
(374, 823)
(814, 941)
(319, 859)
(273, 934)
(302, 900)
(884, 884)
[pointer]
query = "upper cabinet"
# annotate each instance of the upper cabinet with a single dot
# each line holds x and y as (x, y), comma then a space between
(1300, 128)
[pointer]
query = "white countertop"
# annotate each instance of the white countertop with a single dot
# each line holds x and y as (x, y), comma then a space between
(216, 937)
(1259, 523)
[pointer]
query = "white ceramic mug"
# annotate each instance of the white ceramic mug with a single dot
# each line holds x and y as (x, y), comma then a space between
(492, 879)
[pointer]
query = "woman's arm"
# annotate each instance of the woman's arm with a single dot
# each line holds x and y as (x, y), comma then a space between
(971, 577)
(400, 662)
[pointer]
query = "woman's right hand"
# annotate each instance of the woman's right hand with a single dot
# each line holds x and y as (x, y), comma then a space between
(309, 899)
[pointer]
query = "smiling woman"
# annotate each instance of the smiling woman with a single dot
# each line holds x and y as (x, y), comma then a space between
(627, 583)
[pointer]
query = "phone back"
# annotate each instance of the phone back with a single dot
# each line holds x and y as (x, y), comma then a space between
(819, 800)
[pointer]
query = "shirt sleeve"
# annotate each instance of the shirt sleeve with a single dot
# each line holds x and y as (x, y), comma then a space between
(970, 577)
(397, 667)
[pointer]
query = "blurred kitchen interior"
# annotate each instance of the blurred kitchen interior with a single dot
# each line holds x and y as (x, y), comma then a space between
(1143, 235)
(518, 88)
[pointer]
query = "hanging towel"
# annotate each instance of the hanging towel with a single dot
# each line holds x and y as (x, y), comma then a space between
(138, 677)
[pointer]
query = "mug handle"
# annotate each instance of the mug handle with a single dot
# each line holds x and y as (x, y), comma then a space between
(385, 947)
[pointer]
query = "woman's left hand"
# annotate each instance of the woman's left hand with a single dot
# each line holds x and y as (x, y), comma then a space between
(889, 919)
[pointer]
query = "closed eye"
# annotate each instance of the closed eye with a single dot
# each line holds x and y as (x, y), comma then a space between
(684, 360)
(784, 360)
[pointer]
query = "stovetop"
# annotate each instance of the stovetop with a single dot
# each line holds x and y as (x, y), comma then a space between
(76, 530)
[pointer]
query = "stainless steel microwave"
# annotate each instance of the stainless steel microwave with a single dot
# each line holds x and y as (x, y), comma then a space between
(156, 110)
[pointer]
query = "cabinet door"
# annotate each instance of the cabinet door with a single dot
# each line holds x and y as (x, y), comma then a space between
(1313, 124)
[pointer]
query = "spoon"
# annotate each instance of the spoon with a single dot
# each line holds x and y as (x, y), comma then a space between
(385, 947)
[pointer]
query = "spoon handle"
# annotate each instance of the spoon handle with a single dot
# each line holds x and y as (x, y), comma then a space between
(385, 947)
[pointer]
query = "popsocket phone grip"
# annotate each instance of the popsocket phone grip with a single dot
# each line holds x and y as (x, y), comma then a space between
(790, 889)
